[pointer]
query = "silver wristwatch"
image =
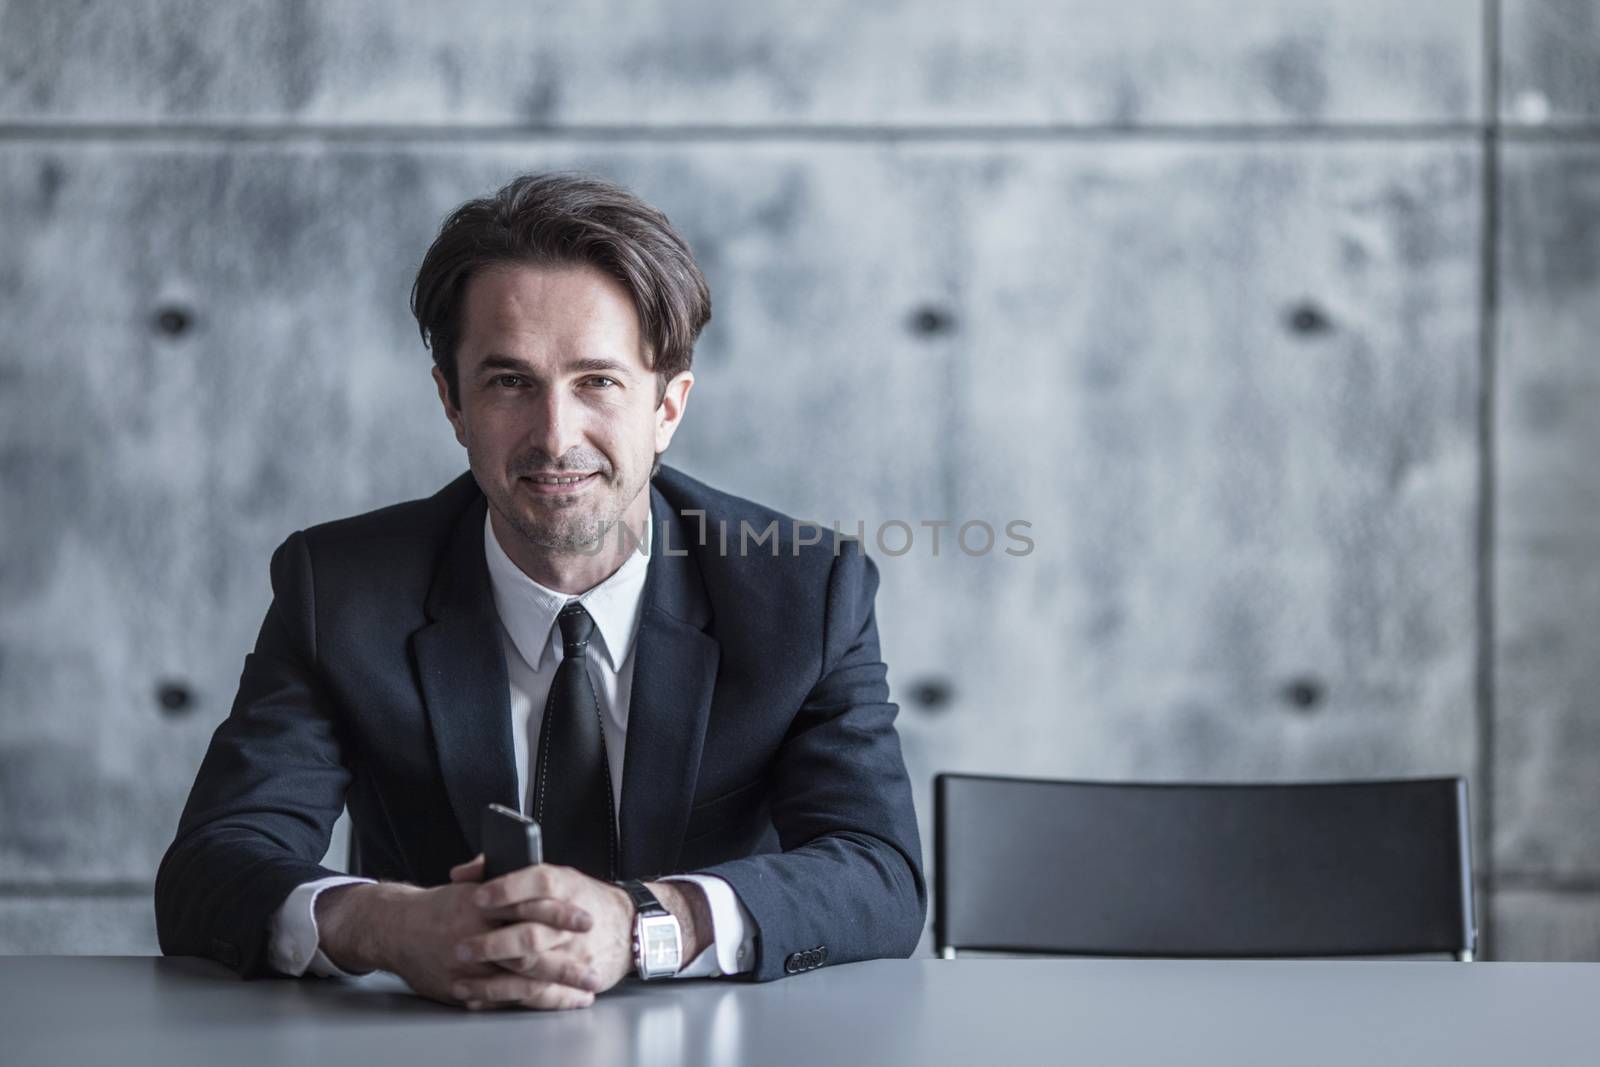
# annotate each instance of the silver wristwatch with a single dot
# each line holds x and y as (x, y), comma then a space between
(657, 941)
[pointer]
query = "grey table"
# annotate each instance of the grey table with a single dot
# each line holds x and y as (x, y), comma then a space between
(142, 1010)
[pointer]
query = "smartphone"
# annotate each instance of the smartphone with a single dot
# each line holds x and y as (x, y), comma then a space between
(511, 841)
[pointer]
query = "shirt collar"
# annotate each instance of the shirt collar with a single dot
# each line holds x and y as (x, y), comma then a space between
(528, 610)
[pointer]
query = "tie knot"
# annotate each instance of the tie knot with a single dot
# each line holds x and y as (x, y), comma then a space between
(576, 626)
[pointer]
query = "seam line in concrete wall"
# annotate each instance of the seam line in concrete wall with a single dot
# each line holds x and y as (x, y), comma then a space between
(119, 888)
(1488, 302)
(1547, 882)
(276, 132)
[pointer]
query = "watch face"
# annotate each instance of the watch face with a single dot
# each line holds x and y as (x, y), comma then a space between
(660, 945)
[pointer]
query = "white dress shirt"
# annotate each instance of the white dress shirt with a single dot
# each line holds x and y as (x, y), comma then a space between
(533, 650)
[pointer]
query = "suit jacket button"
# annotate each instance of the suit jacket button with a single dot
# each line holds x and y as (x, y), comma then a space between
(794, 963)
(822, 955)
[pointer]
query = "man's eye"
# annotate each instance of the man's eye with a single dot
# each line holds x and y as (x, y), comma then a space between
(603, 381)
(510, 381)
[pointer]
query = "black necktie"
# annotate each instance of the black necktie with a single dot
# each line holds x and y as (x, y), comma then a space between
(572, 787)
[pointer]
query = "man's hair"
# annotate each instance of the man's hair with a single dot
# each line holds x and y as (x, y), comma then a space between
(566, 219)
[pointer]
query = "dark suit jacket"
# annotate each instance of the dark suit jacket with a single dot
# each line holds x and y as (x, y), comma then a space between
(761, 743)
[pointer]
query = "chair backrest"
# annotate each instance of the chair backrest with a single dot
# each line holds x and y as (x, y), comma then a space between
(1199, 870)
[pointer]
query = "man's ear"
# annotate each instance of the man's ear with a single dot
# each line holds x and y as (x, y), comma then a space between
(450, 411)
(669, 413)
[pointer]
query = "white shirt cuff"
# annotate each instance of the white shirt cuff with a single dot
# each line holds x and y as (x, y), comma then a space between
(292, 937)
(733, 931)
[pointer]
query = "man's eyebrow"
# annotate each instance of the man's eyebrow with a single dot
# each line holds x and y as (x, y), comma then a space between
(497, 362)
(587, 365)
(597, 365)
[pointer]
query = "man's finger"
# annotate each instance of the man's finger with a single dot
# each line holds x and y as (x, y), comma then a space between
(510, 943)
(470, 871)
(558, 998)
(515, 989)
(529, 883)
(555, 913)
(557, 967)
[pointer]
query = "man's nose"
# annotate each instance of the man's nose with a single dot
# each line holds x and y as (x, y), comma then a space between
(558, 427)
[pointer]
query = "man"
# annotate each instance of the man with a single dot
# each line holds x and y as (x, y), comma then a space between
(680, 686)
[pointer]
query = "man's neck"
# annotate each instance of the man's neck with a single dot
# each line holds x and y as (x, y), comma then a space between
(578, 572)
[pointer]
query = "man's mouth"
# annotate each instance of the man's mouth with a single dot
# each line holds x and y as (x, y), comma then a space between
(559, 483)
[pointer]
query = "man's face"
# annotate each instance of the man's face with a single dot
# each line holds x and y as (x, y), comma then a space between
(558, 408)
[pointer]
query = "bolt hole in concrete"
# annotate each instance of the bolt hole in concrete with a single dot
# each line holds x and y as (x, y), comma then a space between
(931, 694)
(174, 321)
(931, 321)
(1304, 694)
(174, 698)
(1307, 319)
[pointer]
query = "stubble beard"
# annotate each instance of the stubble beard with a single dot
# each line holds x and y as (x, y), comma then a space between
(571, 526)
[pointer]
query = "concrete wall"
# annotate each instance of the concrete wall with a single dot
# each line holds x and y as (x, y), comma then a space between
(1274, 320)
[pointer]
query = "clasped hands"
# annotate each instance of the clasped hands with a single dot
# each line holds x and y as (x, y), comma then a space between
(541, 937)
(555, 938)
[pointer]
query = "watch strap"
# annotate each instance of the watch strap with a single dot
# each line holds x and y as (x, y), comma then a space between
(643, 899)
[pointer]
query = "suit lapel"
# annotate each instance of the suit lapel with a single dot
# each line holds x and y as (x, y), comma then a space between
(462, 672)
(674, 673)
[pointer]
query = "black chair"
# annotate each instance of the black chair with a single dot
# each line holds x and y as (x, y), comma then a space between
(1189, 870)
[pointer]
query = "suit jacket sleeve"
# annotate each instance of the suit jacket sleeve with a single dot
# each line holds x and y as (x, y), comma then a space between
(849, 879)
(268, 792)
